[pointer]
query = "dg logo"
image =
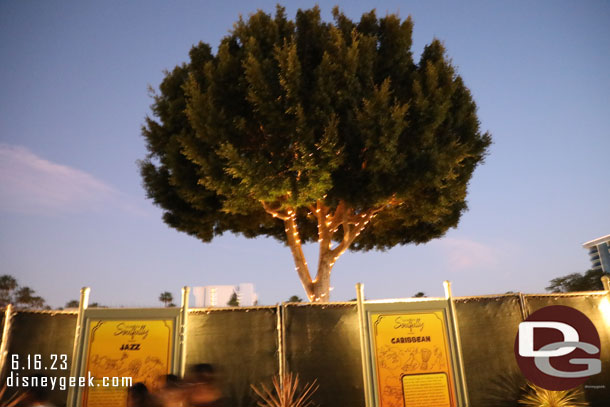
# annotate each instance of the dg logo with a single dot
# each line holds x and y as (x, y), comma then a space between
(558, 348)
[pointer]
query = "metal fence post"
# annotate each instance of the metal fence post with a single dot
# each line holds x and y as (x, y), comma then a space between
(606, 283)
(458, 343)
(78, 332)
(184, 311)
(364, 346)
(280, 343)
(6, 333)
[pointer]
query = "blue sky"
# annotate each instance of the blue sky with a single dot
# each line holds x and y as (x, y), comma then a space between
(73, 97)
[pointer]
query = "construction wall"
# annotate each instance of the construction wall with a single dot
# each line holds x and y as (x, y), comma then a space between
(241, 343)
(321, 342)
(45, 334)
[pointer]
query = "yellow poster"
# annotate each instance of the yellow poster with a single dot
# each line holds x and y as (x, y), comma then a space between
(141, 350)
(412, 360)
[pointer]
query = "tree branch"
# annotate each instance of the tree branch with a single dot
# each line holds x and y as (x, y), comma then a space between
(294, 242)
(337, 218)
(274, 212)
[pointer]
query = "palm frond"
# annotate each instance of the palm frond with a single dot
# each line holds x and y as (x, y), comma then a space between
(287, 395)
(11, 401)
(536, 396)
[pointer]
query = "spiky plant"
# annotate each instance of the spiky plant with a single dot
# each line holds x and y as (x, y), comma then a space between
(12, 400)
(286, 393)
(538, 397)
(503, 390)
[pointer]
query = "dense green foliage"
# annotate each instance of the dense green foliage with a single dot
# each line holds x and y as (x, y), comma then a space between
(21, 297)
(297, 118)
(166, 298)
(234, 300)
(73, 304)
(589, 281)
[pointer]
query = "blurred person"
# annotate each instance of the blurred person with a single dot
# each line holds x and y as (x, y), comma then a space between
(139, 396)
(37, 395)
(171, 392)
(204, 390)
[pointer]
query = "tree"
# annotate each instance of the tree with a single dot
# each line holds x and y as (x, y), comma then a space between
(295, 298)
(308, 131)
(166, 298)
(76, 304)
(589, 281)
(96, 305)
(25, 298)
(234, 301)
(73, 304)
(8, 284)
(21, 297)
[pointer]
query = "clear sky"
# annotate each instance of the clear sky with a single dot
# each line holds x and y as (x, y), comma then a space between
(73, 96)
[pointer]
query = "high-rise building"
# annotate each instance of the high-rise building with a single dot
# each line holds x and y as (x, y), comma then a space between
(599, 250)
(220, 295)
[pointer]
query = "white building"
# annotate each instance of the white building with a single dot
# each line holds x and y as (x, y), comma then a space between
(599, 251)
(220, 295)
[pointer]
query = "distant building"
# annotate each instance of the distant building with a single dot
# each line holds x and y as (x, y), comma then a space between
(220, 295)
(599, 250)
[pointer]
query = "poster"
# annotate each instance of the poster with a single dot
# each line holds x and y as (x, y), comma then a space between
(140, 349)
(413, 362)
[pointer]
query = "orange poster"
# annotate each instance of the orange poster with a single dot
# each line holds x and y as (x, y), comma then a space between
(412, 360)
(141, 350)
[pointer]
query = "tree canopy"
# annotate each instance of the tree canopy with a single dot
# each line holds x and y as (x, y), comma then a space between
(308, 131)
(589, 281)
(234, 300)
(22, 297)
(166, 298)
(73, 304)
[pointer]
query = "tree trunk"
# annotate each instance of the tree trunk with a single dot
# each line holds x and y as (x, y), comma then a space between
(321, 284)
(318, 289)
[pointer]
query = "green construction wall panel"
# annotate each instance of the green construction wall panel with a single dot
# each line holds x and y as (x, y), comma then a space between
(487, 327)
(323, 343)
(242, 344)
(45, 334)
